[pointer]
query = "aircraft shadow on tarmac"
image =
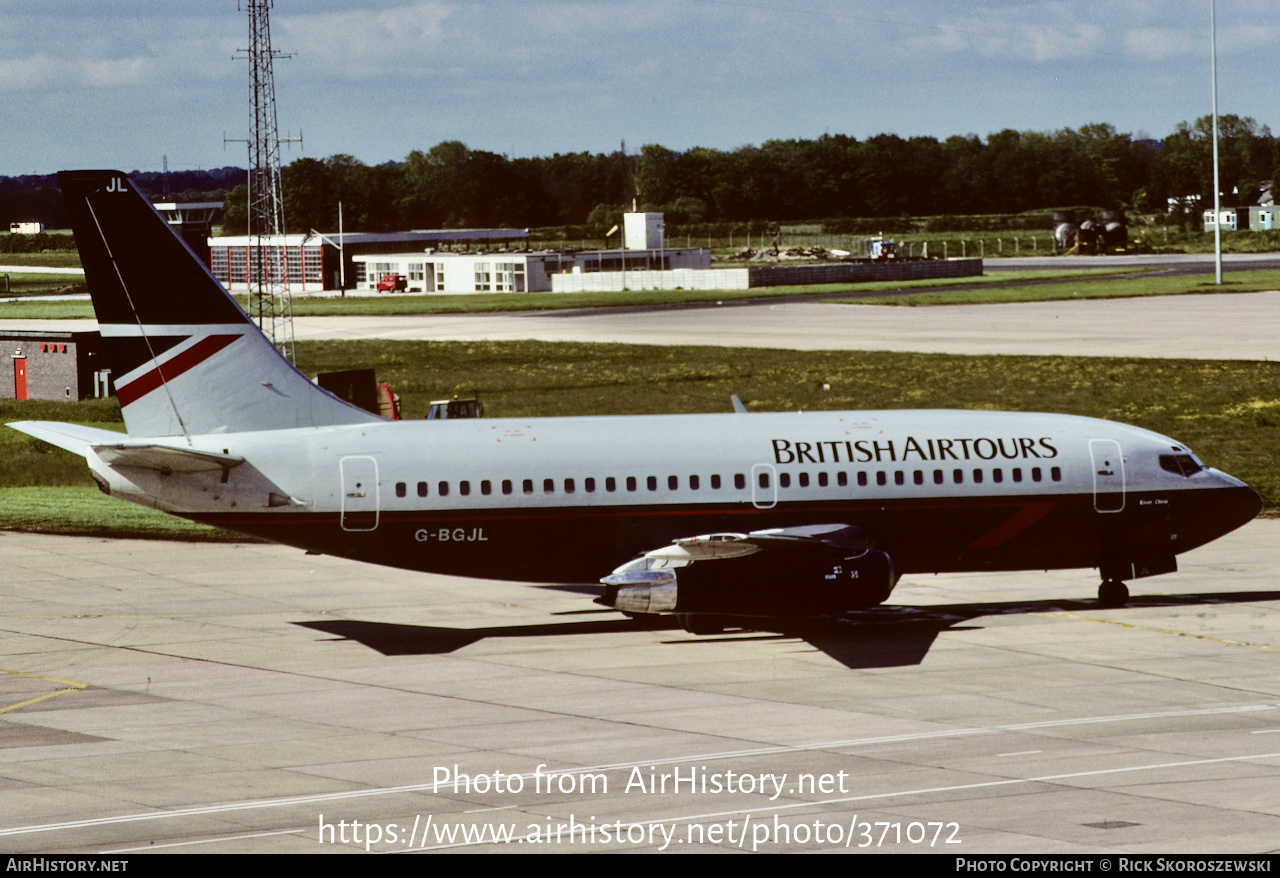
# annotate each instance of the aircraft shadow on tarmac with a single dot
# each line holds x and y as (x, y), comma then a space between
(880, 637)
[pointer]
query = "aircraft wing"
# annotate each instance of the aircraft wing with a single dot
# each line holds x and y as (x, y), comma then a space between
(712, 547)
(69, 437)
(780, 571)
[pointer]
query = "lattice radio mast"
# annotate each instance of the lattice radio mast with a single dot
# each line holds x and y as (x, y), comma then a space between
(269, 301)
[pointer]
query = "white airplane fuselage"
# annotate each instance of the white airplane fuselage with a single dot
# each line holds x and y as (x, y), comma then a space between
(700, 515)
(566, 499)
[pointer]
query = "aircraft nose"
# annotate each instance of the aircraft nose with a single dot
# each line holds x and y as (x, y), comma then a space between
(1244, 505)
(1238, 504)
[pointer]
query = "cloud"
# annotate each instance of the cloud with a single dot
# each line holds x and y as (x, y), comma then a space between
(1040, 33)
(1157, 43)
(364, 42)
(115, 72)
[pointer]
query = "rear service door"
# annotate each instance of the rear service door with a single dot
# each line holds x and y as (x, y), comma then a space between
(359, 493)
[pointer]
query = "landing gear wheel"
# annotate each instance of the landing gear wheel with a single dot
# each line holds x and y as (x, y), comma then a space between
(701, 623)
(1113, 593)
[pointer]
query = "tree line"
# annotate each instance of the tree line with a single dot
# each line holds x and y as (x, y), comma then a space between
(831, 177)
(828, 178)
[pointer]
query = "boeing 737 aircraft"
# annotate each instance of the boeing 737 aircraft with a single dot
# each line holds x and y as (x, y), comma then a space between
(705, 516)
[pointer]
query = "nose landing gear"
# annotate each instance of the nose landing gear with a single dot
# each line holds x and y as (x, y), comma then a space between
(1113, 593)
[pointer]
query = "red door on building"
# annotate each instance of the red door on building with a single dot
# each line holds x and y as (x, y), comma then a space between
(19, 377)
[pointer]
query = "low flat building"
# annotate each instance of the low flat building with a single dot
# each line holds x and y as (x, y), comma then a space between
(54, 365)
(514, 271)
(317, 262)
(1232, 219)
(1255, 218)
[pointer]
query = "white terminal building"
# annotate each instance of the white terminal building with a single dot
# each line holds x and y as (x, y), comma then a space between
(462, 261)
(643, 255)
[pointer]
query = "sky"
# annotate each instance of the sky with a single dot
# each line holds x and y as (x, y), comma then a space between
(125, 83)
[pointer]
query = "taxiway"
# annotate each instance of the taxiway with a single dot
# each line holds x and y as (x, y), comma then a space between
(242, 697)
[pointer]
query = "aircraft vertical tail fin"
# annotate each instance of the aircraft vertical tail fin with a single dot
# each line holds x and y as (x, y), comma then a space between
(184, 356)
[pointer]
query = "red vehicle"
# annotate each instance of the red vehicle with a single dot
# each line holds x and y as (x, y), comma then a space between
(393, 283)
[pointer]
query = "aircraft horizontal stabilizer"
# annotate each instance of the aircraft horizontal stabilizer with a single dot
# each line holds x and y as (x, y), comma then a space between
(69, 437)
(165, 458)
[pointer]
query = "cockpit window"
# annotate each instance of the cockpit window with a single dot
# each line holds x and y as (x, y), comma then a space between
(1180, 464)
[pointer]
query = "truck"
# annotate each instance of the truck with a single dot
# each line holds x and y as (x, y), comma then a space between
(883, 249)
(468, 407)
(393, 283)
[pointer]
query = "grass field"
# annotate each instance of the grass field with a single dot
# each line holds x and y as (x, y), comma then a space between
(1228, 412)
(1143, 238)
(1014, 287)
(45, 259)
(1088, 288)
(25, 284)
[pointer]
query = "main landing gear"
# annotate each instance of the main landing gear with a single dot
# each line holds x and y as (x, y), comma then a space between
(1113, 593)
(702, 623)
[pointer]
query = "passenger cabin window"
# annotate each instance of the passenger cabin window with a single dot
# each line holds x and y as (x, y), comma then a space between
(527, 486)
(693, 483)
(822, 480)
(401, 489)
(997, 475)
(506, 486)
(673, 483)
(486, 487)
(589, 485)
(842, 479)
(715, 483)
(862, 480)
(957, 476)
(1056, 474)
(784, 480)
(464, 488)
(938, 477)
(422, 489)
(651, 483)
(899, 477)
(568, 486)
(443, 489)
(631, 483)
(1035, 474)
(977, 477)
(739, 481)
(918, 477)
(610, 484)
(882, 478)
(1017, 473)
(764, 480)
(548, 486)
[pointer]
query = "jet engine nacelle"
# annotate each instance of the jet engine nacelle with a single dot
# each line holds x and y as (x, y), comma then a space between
(765, 584)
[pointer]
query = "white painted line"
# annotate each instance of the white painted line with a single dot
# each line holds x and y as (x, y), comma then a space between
(622, 766)
(774, 809)
(179, 844)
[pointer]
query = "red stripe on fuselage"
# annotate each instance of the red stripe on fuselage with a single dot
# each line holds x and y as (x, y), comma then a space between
(810, 512)
(167, 371)
(1014, 525)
